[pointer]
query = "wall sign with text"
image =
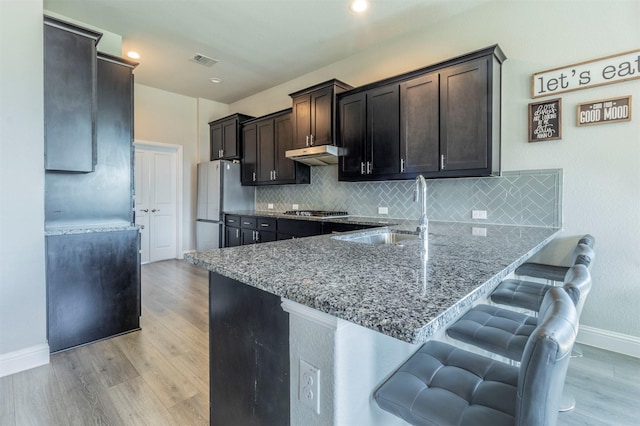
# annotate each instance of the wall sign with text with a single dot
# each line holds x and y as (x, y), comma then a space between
(545, 120)
(604, 111)
(597, 72)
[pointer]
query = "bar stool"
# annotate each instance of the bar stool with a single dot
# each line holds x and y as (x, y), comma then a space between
(444, 385)
(505, 332)
(528, 294)
(554, 272)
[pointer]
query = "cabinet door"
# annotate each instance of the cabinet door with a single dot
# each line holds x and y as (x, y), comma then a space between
(285, 168)
(248, 236)
(322, 117)
(250, 158)
(420, 124)
(302, 121)
(69, 98)
(265, 236)
(93, 287)
(215, 140)
(352, 116)
(383, 131)
(232, 237)
(230, 139)
(266, 151)
(464, 116)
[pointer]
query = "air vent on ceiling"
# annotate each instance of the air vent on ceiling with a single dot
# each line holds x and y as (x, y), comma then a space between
(204, 60)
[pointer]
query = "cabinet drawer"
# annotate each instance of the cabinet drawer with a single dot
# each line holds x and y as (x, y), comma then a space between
(266, 224)
(248, 222)
(299, 228)
(231, 220)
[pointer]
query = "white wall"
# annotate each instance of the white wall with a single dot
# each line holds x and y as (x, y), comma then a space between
(602, 177)
(170, 118)
(23, 332)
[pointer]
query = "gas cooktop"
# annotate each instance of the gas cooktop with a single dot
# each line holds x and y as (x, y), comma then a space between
(316, 213)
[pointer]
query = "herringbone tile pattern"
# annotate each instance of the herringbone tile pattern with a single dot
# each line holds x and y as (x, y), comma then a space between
(531, 197)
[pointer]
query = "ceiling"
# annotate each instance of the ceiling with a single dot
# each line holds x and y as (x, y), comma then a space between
(258, 43)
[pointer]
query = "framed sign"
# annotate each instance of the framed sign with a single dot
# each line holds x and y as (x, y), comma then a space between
(597, 72)
(545, 120)
(610, 110)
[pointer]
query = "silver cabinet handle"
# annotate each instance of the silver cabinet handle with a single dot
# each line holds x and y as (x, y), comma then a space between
(442, 162)
(155, 210)
(307, 140)
(264, 225)
(369, 167)
(402, 165)
(231, 220)
(254, 176)
(275, 175)
(237, 233)
(362, 167)
(311, 139)
(144, 210)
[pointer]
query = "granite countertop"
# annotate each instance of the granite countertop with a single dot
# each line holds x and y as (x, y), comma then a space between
(356, 220)
(387, 288)
(88, 229)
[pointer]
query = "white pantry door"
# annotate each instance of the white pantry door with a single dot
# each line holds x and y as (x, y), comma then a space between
(156, 203)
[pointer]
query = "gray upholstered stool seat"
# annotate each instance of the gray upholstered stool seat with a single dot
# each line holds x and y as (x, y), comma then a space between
(529, 294)
(556, 272)
(505, 332)
(444, 385)
(520, 293)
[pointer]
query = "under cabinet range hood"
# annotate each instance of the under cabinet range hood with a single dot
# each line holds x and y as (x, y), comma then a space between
(321, 155)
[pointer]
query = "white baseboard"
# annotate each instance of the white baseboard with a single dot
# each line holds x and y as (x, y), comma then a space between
(24, 359)
(609, 340)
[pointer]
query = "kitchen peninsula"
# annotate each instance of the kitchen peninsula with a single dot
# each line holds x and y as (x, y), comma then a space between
(389, 293)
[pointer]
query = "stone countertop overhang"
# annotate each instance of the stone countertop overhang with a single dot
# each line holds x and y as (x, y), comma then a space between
(387, 288)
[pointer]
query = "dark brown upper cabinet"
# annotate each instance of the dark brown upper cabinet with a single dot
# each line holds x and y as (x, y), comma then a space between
(440, 121)
(314, 110)
(225, 137)
(265, 140)
(70, 88)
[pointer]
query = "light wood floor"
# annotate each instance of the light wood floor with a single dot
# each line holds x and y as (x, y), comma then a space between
(159, 376)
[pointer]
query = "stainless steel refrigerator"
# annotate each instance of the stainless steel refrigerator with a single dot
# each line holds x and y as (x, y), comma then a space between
(219, 190)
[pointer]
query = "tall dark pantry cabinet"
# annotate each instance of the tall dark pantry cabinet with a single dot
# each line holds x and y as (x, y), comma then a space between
(92, 244)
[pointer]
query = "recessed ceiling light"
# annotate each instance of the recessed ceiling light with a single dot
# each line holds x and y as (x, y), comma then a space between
(215, 80)
(359, 6)
(133, 55)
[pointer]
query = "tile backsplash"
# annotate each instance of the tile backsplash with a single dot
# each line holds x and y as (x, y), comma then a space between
(531, 197)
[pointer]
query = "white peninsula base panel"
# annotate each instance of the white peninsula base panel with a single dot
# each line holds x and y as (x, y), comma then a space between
(352, 361)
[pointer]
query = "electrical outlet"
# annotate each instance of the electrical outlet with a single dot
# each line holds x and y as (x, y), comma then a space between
(383, 210)
(270, 206)
(479, 232)
(309, 386)
(478, 214)
(295, 206)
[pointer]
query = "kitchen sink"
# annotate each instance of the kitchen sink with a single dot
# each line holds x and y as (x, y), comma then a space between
(385, 236)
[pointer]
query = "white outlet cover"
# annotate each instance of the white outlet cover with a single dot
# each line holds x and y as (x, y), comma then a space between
(309, 386)
(270, 206)
(478, 214)
(479, 232)
(383, 210)
(295, 206)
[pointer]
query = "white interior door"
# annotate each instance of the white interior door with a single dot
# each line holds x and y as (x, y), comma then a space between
(156, 203)
(142, 183)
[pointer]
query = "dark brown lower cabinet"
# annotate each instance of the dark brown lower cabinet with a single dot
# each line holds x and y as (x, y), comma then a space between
(93, 286)
(248, 355)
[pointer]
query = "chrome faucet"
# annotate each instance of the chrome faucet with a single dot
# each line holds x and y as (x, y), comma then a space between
(423, 226)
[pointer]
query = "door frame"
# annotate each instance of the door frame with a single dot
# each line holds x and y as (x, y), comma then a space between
(178, 150)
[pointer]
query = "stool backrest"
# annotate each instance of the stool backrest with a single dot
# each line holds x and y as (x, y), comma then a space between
(544, 363)
(577, 284)
(588, 240)
(583, 255)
